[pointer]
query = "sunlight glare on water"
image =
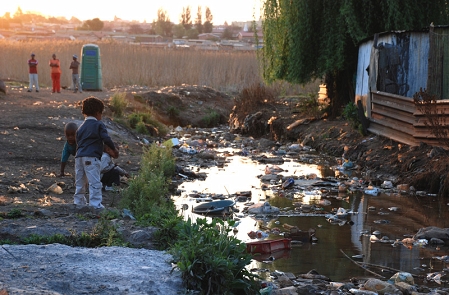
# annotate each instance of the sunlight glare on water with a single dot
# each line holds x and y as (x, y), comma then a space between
(327, 256)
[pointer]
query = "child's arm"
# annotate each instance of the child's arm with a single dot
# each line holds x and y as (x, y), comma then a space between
(122, 171)
(66, 152)
(62, 169)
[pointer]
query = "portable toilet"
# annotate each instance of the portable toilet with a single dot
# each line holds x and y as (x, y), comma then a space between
(90, 77)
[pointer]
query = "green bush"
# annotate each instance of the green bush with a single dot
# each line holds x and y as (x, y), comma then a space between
(119, 103)
(139, 121)
(147, 193)
(14, 213)
(133, 119)
(211, 119)
(141, 128)
(211, 260)
(350, 113)
(173, 112)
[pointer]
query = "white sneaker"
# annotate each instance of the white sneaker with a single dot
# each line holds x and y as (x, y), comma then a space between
(109, 188)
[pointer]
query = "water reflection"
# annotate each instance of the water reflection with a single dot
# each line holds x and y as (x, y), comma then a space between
(329, 256)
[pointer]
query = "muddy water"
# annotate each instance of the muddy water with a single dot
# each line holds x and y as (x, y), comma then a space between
(341, 249)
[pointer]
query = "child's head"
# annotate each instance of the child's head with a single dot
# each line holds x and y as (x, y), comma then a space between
(92, 106)
(70, 132)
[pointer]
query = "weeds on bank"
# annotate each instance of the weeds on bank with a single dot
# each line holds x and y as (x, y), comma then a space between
(212, 118)
(212, 261)
(119, 103)
(143, 123)
(254, 96)
(147, 194)
(104, 234)
(350, 113)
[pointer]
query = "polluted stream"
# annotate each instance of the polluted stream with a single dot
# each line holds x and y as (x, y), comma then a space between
(367, 236)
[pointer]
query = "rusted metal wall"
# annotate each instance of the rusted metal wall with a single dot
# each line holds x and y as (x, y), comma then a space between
(397, 63)
(396, 117)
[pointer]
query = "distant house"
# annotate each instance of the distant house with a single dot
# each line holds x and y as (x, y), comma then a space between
(149, 38)
(209, 36)
(249, 36)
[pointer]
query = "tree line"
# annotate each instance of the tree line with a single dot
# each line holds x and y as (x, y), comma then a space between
(189, 25)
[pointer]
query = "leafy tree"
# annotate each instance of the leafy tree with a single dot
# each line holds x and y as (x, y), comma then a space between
(227, 34)
(192, 33)
(18, 14)
(208, 23)
(179, 31)
(135, 29)
(163, 25)
(93, 24)
(75, 20)
(199, 21)
(307, 39)
(186, 18)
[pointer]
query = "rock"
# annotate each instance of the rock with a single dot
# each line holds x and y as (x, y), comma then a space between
(55, 188)
(433, 232)
(308, 290)
(291, 290)
(402, 277)
(406, 288)
(263, 208)
(269, 177)
(284, 281)
(206, 155)
(380, 287)
(265, 143)
(435, 241)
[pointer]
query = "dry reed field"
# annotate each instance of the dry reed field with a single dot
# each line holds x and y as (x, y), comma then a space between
(125, 64)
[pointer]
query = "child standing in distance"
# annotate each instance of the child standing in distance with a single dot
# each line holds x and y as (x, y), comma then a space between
(69, 146)
(110, 172)
(90, 138)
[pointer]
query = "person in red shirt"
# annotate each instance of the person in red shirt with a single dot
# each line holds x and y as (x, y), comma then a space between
(55, 74)
(32, 64)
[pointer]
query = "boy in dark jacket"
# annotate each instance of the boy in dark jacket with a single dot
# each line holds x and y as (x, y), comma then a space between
(90, 138)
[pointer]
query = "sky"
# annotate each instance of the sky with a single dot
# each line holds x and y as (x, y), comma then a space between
(140, 10)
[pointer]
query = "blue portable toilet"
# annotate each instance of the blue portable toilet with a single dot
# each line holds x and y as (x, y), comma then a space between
(91, 77)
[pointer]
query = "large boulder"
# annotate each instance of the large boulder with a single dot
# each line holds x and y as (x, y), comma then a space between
(433, 232)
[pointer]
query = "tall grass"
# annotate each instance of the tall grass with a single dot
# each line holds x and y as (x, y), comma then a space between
(125, 64)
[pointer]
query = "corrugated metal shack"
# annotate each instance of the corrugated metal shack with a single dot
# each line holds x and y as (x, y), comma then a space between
(392, 67)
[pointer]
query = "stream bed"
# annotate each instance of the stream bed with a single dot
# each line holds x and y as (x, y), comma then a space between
(342, 248)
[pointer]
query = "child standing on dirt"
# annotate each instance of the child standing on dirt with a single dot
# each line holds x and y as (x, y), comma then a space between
(90, 138)
(110, 172)
(69, 146)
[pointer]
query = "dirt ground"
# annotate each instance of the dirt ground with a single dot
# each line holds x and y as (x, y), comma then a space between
(32, 138)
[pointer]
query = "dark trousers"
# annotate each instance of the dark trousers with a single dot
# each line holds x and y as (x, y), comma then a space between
(111, 177)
